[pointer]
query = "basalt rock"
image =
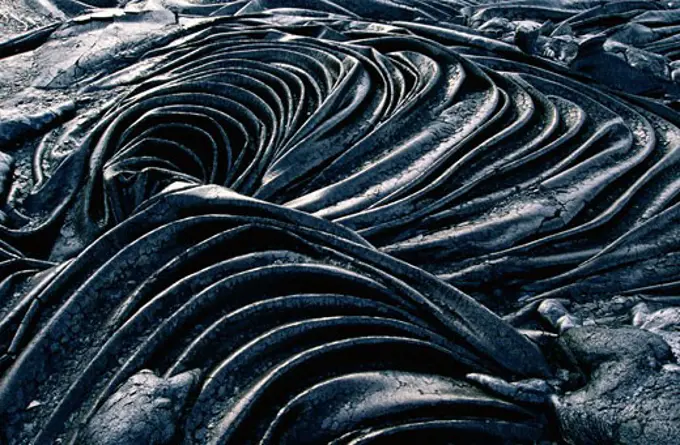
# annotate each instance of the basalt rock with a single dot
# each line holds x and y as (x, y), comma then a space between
(285, 221)
(632, 393)
(145, 409)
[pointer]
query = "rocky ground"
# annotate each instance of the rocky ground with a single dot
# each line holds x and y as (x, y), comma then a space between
(339, 222)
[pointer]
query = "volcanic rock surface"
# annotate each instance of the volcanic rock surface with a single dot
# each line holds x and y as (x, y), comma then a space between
(339, 221)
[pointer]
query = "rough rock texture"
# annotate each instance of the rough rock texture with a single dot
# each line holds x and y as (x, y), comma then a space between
(145, 409)
(339, 221)
(632, 391)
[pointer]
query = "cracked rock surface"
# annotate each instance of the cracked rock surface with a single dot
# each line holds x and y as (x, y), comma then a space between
(632, 390)
(145, 409)
(347, 222)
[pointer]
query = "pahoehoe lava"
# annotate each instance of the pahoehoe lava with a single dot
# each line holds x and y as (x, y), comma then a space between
(206, 300)
(278, 222)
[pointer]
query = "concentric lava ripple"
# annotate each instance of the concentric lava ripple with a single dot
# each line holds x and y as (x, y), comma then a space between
(480, 169)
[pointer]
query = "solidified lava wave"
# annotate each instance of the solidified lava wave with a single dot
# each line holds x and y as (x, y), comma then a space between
(291, 202)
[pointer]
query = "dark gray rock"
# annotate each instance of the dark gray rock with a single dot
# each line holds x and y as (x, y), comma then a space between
(145, 409)
(632, 392)
(322, 204)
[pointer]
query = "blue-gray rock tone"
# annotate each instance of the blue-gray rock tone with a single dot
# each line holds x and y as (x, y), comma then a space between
(339, 222)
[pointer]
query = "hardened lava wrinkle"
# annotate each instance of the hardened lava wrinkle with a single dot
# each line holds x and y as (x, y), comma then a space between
(274, 307)
(262, 219)
(478, 168)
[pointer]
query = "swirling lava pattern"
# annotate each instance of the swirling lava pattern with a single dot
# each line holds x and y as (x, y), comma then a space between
(285, 199)
(293, 321)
